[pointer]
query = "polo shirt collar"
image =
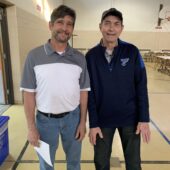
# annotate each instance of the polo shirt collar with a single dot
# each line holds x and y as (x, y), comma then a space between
(49, 50)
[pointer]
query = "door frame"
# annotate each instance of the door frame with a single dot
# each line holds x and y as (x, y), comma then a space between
(9, 94)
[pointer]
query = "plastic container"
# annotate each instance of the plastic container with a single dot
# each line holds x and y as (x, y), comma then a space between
(4, 143)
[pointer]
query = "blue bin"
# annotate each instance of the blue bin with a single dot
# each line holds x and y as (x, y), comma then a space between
(4, 144)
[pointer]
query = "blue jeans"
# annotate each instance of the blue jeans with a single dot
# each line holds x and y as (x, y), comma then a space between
(130, 144)
(50, 128)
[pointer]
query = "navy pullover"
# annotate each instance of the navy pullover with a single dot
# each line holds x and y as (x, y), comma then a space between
(118, 95)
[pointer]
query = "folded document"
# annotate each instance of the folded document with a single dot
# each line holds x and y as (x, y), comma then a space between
(44, 151)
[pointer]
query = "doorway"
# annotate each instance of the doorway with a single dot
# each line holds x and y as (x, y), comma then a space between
(6, 85)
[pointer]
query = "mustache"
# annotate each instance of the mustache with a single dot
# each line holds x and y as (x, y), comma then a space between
(62, 31)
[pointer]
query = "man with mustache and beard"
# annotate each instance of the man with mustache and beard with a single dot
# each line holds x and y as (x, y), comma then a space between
(55, 83)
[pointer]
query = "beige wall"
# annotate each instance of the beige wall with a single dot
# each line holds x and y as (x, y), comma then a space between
(33, 32)
(143, 40)
(26, 31)
(31, 6)
(154, 41)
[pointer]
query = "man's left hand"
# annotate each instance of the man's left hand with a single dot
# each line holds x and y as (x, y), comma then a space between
(144, 130)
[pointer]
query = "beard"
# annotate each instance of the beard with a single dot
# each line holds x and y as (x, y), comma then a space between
(61, 36)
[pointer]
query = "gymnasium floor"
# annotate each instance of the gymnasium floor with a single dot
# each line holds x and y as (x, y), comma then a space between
(155, 155)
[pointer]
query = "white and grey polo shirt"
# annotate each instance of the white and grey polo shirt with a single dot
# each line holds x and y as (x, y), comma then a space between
(56, 79)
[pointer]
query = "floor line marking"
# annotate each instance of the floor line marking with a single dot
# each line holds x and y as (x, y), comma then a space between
(161, 133)
(91, 161)
(20, 156)
(164, 93)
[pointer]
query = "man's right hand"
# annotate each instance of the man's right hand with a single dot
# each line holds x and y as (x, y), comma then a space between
(93, 133)
(33, 137)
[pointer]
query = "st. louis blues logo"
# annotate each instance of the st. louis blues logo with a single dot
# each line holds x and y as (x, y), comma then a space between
(124, 61)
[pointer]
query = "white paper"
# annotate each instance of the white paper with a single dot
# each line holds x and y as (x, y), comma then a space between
(44, 151)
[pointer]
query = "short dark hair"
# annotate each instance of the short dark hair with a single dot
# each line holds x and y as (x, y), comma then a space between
(61, 12)
(112, 12)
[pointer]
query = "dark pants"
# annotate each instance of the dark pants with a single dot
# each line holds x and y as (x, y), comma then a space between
(130, 143)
